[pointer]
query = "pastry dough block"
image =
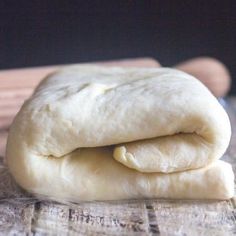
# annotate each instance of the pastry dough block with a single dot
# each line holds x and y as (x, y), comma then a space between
(96, 133)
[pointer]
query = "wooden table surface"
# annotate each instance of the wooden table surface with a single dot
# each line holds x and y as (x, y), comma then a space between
(22, 214)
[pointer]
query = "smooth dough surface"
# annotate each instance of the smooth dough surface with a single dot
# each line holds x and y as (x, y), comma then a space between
(96, 133)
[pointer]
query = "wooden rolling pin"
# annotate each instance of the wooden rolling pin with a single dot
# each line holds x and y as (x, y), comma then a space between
(210, 71)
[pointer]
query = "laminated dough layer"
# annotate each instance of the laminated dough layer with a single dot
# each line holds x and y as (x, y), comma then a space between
(94, 133)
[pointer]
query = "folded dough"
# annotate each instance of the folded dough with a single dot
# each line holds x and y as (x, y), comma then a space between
(96, 133)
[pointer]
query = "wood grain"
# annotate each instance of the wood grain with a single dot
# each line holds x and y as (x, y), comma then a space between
(22, 214)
